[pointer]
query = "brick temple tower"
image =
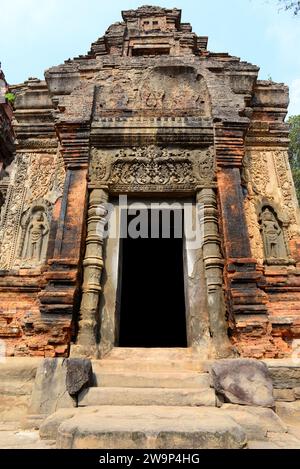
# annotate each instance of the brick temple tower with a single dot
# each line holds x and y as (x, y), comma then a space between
(151, 114)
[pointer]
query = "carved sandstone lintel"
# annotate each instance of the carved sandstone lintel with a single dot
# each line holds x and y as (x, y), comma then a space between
(213, 262)
(153, 167)
(86, 344)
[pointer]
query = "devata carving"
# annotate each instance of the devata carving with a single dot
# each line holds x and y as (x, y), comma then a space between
(152, 166)
(272, 234)
(36, 236)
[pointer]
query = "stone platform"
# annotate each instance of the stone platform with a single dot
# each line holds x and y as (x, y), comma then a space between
(146, 399)
(160, 427)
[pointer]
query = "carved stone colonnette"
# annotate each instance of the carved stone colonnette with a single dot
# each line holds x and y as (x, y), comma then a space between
(89, 320)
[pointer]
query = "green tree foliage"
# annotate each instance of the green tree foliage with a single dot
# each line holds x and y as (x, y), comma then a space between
(293, 5)
(294, 150)
(10, 98)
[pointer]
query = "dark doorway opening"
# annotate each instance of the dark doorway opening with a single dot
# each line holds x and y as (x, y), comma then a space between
(152, 307)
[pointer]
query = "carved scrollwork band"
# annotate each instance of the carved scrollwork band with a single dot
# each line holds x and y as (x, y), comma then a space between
(152, 168)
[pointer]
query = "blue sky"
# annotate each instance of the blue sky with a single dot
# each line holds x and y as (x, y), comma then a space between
(36, 34)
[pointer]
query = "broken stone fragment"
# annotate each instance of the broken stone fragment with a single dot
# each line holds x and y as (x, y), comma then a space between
(79, 375)
(243, 381)
(49, 392)
(57, 383)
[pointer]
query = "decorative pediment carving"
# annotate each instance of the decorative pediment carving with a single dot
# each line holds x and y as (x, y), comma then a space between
(162, 91)
(174, 87)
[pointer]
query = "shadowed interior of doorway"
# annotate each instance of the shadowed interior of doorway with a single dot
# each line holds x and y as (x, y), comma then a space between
(152, 309)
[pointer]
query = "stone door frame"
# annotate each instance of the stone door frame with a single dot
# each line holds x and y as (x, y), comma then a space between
(193, 268)
(208, 336)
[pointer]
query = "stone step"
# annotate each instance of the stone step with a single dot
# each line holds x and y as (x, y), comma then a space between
(144, 428)
(165, 353)
(17, 375)
(147, 397)
(14, 387)
(285, 372)
(150, 379)
(149, 365)
(151, 359)
(19, 368)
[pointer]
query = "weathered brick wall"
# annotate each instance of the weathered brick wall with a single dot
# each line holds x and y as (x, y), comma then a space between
(36, 178)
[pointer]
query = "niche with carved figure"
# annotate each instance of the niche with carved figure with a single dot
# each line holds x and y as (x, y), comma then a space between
(35, 227)
(272, 232)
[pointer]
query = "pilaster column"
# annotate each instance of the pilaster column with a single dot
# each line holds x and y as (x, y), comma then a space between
(242, 276)
(214, 263)
(229, 146)
(63, 275)
(87, 340)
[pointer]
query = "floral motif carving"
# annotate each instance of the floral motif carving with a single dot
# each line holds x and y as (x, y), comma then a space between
(257, 163)
(151, 166)
(99, 166)
(40, 172)
(205, 165)
(59, 176)
(152, 172)
(285, 183)
(254, 231)
(12, 217)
